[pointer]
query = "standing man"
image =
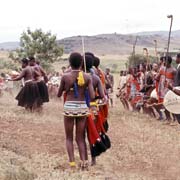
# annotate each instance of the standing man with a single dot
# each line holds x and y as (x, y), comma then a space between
(109, 82)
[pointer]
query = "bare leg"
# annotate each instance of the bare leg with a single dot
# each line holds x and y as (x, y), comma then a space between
(122, 102)
(111, 102)
(158, 109)
(127, 105)
(1, 93)
(86, 152)
(168, 116)
(69, 125)
(80, 137)
(153, 112)
(93, 161)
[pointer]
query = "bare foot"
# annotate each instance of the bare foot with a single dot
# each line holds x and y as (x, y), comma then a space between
(84, 165)
(93, 161)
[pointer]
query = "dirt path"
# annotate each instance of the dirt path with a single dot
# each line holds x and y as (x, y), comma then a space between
(142, 148)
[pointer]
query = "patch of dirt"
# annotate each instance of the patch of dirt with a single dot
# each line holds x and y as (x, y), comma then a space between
(142, 147)
(26, 138)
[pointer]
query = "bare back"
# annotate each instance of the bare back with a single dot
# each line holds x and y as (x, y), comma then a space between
(97, 85)
(28, 73)
(41, 73)
(67, 85)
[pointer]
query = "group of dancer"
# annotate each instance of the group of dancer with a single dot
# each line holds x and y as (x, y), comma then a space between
(144, 88)
(83, 87)
(34, 91)
(86, 92)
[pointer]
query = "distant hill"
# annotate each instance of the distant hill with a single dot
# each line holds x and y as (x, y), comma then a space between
(120, 43)
(114, 43)
(158, 33)
(9, 45)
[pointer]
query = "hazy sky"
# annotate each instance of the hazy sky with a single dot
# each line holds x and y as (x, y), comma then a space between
(86, 17)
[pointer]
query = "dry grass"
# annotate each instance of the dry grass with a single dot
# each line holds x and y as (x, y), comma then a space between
(115, 62)
(32, 146)
(4, 54)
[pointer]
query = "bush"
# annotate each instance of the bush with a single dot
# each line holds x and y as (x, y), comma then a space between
(8, 65)
(140, 59)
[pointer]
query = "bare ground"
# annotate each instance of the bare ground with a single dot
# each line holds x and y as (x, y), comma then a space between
(32, 146)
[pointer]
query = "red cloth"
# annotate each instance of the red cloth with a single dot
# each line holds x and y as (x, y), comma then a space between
(105, 110)
(168, 75)
(100, 121)
(160, 100)
(137, 97)
(94, 129)
(135, 81)
(135, 100)
(92, 132)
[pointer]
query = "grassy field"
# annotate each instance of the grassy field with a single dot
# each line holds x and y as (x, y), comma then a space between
(114, 62)
(32, 146)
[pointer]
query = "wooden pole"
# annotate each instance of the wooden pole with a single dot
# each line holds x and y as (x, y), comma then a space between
(155, 41)
(84, 57)
(169, 38)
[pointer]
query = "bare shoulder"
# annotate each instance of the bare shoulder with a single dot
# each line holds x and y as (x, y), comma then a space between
(66, 76)
(26, 69)
(35, 67)
(87, 76)
(96, 77)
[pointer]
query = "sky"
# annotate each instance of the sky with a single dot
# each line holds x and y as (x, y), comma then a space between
(66, 18)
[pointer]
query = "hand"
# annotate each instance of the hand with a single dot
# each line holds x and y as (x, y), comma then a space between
(166, 84)
(105, 99)
(169, 86)
(145, 86)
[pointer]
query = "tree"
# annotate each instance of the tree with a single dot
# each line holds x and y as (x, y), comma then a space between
(41, 45)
